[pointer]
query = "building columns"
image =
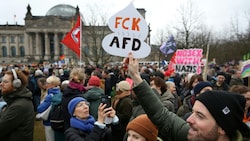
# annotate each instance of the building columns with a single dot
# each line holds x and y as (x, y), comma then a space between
(56, 45)
(38, 47)
(47, 46)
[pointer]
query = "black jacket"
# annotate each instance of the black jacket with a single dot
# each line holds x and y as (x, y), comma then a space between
(112, 133)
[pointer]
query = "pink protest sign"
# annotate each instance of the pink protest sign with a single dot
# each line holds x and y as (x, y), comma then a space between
(188, 61)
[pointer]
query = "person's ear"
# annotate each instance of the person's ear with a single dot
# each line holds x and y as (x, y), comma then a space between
(221, 131)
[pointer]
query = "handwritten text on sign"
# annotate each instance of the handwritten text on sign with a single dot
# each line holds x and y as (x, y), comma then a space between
(130, 30)
(188, 61)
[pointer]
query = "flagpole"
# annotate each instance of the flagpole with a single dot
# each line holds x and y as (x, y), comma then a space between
(80, 39)
(206, 65)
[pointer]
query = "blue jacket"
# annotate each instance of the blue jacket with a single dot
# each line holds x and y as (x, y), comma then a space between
(53, 97)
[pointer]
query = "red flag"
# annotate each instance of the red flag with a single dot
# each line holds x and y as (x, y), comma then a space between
(72, 39)
(171, 65)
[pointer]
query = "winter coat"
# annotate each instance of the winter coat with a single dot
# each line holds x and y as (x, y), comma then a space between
(97, 134)
(187, 106)
(169, 124)
(223, 87)
(236, 81)
(123, 110)
(168, 100)
(93, 96)
(136, 110)
(17, 120)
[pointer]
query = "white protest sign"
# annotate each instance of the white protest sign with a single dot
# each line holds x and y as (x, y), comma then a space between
(130, 30)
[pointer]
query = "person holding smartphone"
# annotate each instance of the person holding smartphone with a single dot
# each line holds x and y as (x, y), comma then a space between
(84, 127)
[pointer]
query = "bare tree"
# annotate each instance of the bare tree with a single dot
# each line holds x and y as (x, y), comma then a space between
(96, 30)
(188, 21)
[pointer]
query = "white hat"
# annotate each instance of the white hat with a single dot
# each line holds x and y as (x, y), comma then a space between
(38, 72)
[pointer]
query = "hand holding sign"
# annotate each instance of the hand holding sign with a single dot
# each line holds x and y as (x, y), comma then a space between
(130, 30)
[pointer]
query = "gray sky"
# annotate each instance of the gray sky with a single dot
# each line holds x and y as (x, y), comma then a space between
(217, 14)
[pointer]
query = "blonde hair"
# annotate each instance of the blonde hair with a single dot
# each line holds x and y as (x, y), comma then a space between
(77, 75)
(53, 80)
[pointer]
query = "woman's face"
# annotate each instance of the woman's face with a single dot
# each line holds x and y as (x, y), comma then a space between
(82, 110)
(134, 136)
(195, 83)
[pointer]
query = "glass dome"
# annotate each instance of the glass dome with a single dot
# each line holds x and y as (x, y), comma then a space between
(62, 10)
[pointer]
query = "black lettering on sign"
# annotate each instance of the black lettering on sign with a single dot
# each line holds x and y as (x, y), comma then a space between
(186, 68)
(136, 43)
(116, 41)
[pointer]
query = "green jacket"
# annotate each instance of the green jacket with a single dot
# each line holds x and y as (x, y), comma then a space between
(169, 124)
(93, 96)
(17, 120)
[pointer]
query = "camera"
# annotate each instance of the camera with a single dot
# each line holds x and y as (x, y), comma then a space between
(105, 99)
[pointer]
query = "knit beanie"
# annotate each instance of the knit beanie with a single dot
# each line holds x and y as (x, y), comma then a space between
(123, 86)
(198, 87)
(144, 127)
(227, 109)
(94, 81)
(72, 104)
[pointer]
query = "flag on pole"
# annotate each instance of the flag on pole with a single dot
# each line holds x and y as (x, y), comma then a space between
(73, 38)
(171, 65)
(169, 46)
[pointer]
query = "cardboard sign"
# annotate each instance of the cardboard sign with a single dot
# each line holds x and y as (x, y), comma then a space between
(130, 30)
(188, 61)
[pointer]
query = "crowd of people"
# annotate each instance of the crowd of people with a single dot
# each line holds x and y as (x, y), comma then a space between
(148, 103)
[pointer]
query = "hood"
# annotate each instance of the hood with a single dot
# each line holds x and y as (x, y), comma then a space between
(21, 93)
(93, 94)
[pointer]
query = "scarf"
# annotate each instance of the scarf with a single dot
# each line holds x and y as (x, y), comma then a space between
(83, 125)
(120, 96)
(77, 86)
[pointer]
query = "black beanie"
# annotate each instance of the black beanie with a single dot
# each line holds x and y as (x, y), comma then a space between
(198, 87)
(227, 110)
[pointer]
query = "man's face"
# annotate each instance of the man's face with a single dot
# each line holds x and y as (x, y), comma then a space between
(238, 74)
(6, 84)
(220, 79)
(203, 126)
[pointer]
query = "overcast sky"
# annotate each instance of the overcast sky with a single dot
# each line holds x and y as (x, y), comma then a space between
(217, 14)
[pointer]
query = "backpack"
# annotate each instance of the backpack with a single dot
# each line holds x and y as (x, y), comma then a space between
(57, 118)
(56, 113)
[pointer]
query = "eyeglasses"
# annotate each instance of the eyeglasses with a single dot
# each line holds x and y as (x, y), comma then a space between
(5, 81)
(84, 103)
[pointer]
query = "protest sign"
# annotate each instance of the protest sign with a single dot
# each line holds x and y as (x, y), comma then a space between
(188, 61)
(130, 30)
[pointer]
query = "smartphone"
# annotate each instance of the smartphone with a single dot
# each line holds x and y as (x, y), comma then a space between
(105, 99)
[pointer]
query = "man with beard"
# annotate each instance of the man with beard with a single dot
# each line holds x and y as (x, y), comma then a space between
(216, 115)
